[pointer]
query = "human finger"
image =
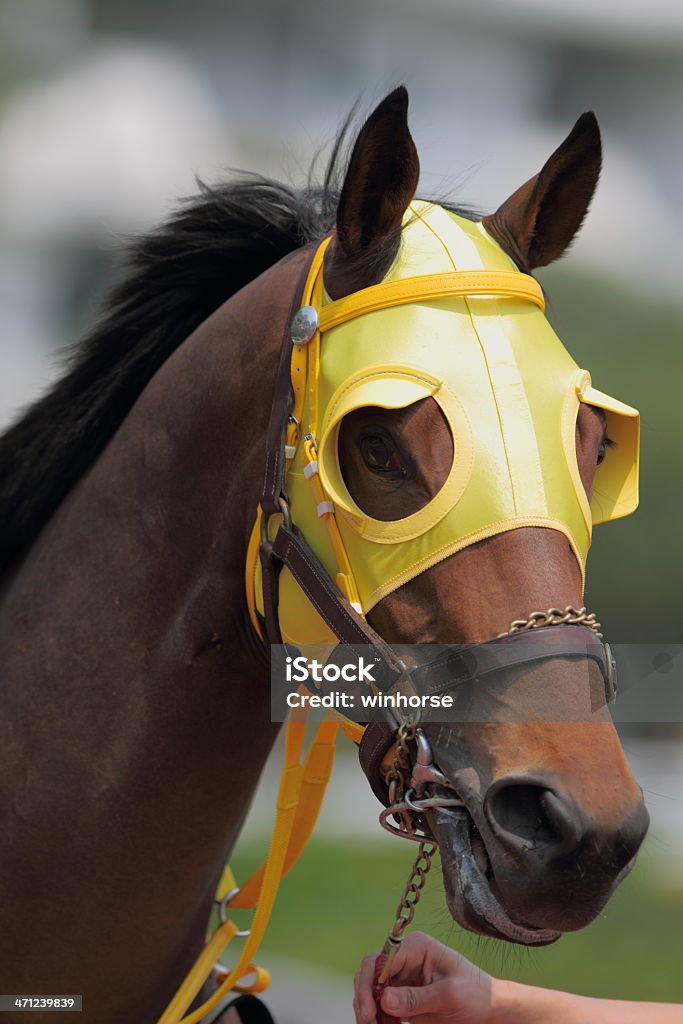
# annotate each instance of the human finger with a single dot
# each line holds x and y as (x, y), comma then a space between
(408, 1002)
(363, 986)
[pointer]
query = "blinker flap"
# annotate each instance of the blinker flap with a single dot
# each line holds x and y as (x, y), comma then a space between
(615, 487)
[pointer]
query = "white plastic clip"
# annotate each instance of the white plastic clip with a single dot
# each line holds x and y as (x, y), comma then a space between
(290, 451)
(325, 508)
(310, 469)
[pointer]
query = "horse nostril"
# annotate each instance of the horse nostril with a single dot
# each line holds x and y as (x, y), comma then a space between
(529, 815)
(564, 819)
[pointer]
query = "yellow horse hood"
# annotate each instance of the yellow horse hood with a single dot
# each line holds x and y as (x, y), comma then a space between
(510, 393)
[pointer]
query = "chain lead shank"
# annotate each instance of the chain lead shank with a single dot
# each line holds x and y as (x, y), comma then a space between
(405, 912)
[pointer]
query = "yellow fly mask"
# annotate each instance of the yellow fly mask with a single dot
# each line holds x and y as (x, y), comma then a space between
(456, 321)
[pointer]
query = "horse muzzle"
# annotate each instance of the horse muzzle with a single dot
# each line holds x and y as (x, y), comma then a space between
(526, 854)
(524, 863)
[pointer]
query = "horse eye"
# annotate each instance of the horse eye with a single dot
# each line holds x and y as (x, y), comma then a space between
(379, 454)
(606, 443)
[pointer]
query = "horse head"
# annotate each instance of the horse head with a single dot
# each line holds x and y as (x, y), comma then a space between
(512, 458)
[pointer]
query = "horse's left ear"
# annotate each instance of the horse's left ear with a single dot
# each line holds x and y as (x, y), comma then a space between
(380, 181)
(538, 222)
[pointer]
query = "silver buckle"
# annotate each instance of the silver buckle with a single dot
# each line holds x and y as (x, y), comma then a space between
(223, 916)
(304, 325)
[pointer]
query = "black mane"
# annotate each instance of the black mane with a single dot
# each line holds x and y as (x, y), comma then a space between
(176, 276)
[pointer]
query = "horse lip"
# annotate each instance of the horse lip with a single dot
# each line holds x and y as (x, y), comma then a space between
(475, 890)
(626, 870)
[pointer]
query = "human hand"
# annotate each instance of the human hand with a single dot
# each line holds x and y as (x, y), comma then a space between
(429, 983)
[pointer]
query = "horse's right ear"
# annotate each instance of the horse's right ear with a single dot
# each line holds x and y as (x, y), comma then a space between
(380, 181)
(538, 222)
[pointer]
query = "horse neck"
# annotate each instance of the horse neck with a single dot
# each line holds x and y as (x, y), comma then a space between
(142, 692)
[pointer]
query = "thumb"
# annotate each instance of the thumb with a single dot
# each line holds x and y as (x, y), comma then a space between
(411, 1001)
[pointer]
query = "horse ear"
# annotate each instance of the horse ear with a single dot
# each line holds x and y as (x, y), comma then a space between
(538, 222)
(380, 181)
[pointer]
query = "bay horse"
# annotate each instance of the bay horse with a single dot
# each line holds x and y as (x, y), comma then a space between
(135, 699)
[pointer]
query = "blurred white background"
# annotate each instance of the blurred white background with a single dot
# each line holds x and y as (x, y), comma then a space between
(108, 108)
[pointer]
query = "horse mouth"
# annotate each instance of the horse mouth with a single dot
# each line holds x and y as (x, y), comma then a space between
(470, 884)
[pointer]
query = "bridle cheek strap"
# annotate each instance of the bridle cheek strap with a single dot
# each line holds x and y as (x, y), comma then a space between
(288, 547)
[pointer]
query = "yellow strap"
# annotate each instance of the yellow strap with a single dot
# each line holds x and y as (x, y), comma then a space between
(300, 369)
(300, 796)
(288, 797)
(198, 973)
(299, 372)
(354, 730)
(228, 883)
(316, 300)
(425, 287)
(250, 572)
(259, 984)
(314, 270)
(316, 775)
(344, 579)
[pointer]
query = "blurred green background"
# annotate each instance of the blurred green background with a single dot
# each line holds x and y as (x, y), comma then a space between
(341, 899)
(632, 342)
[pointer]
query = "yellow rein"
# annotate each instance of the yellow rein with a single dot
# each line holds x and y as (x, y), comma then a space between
(301, 792)
(303, 783)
